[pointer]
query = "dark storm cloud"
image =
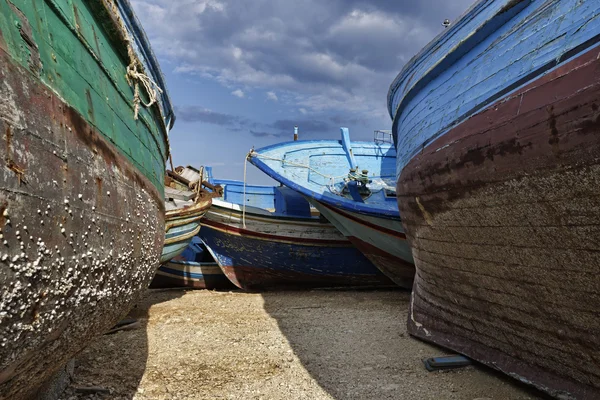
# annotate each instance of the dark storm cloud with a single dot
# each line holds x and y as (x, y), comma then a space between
(260, 133)
(308, 125)
(200, 114)
(328, 55)
(236, 123)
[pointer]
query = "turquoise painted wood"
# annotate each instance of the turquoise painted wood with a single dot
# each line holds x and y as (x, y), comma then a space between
(178, 238)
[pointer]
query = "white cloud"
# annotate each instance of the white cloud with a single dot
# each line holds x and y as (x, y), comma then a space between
(316, 56)
(303, 110)
(239, 93)
(272, 96)
(237, 53)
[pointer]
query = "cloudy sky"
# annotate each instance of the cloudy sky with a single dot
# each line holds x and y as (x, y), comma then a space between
(242, 73)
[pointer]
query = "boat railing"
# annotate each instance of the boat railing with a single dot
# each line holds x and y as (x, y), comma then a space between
(381, 136)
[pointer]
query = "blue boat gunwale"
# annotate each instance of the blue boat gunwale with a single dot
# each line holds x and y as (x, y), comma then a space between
(510, 88)
(343, 203)
(443, 37)
(482, 31)
(589, 45)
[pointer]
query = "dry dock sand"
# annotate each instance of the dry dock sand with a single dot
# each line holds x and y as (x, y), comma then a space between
(292, 345)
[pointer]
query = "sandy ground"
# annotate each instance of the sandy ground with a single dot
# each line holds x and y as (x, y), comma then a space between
(290, 345)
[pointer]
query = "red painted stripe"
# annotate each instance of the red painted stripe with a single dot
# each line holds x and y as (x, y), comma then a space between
(391, 232)
(245, 232)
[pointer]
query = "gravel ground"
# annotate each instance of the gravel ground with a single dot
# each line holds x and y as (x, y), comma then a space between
(288, 345)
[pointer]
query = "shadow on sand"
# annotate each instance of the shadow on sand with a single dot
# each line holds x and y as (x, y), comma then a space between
(355, 345)
(113, 365)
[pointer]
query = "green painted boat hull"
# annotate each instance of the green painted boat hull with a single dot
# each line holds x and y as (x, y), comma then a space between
(81, 188)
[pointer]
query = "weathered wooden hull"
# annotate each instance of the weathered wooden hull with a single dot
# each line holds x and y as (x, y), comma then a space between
(381, 240)
(189, 274)
(502, 212)
(64, 287)
(278, 253)
(181, 226)
(320, 170)
(82, 224)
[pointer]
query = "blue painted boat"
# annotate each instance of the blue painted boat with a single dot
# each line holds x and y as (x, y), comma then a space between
(275, 241)
(497, 128)
(353, 185)
(185, 203)
(194, 268)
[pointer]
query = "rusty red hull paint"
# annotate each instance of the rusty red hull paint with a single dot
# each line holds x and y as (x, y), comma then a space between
(81, 228)
(503, 213)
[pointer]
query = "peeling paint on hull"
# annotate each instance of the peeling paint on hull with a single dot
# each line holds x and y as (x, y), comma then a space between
(81, 229)
(275, 253)
(182, 225)
(502, 214)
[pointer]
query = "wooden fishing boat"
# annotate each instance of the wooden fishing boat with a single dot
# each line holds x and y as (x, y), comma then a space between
(195, 268)
(84, 115)
(496, 126)
(186, 202)
(275, 242)
(352, 185)
(184, 208)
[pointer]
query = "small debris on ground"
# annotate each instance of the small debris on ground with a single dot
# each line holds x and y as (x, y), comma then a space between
(339, 345)
(446, 362)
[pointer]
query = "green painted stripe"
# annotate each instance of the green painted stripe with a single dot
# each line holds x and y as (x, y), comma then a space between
(87, 67)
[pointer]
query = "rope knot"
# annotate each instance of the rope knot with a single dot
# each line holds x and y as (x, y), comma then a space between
(134, 77)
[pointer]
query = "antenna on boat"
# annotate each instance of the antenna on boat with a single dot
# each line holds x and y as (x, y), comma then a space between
(446, 23)
(295, 132)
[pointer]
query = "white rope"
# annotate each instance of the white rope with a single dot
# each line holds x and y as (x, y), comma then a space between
(244, 197)
(132, 69)
(133, 75)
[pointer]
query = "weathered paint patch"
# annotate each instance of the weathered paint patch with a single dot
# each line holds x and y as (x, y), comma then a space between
(508, 260)
(58, 42)
(304, 255)
(72, 259)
